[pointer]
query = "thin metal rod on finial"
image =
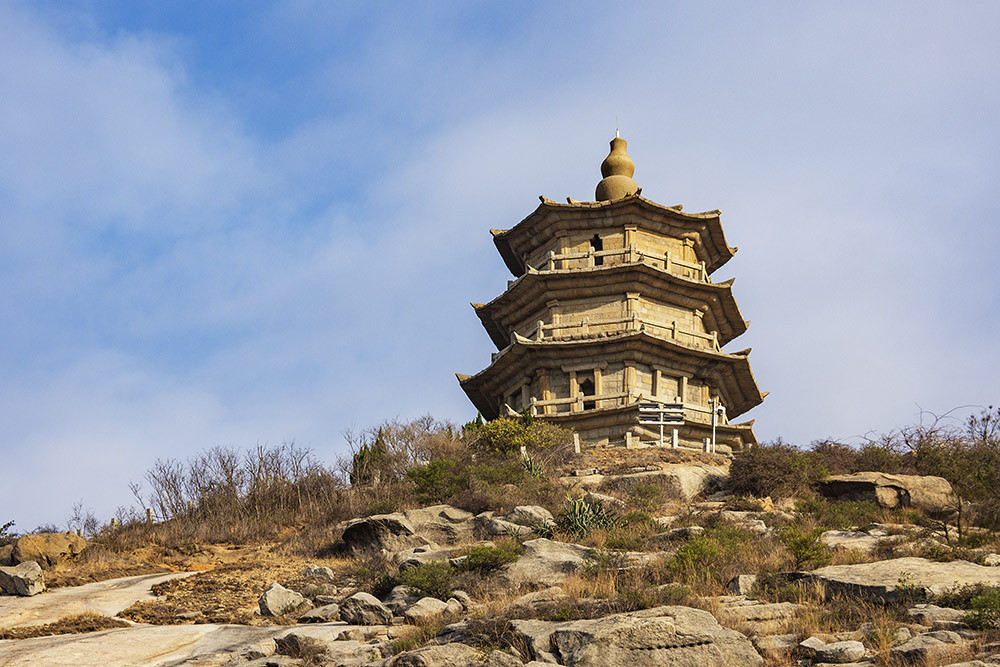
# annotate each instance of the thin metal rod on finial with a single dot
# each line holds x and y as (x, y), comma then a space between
(617, 136)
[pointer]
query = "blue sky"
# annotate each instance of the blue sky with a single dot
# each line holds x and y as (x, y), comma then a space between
(240, 223)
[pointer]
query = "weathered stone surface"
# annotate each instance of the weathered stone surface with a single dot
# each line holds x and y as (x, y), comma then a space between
(661, 636)
(24, 579)
(940, 618)
(882, 579)
(850, 539)
(436, 526)
(775, 648)
(325, 614)
(931, 494)
(104, 597)
(682, 480)
(344, 653)
(419, 555)
(203, 644)
(742, 584)
(841, 652)
(500, 527)
(939, 646)
(47, 549)
(451, 655)
(763, 618)
(364, 609)
(545, 562)
(531, 515)
(6, 555)
(399, 600)
(279, 601)
(426, 609)
(542, 598)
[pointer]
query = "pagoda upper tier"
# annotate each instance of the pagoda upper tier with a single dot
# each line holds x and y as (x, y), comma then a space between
(693, 241)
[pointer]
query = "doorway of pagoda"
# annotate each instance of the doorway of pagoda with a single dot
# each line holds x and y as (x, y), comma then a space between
(587, 389)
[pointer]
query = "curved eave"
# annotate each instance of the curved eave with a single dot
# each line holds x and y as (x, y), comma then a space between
(713, 249)
(537, 287)
(730, 373)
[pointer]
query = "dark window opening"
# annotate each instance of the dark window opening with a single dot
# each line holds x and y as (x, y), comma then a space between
(598, 246)
(587, 389)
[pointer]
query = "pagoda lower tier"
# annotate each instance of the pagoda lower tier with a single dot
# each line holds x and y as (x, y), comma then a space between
(595, 385)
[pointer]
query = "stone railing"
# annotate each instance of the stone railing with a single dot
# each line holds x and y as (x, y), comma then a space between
(672, 331)
(693, 412)
(557, 261)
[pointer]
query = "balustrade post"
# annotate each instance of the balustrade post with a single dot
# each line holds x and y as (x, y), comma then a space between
(541, 331)
(590, 256)
(552, 260)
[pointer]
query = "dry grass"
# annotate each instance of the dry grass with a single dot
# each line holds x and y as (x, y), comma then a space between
(76, 624)
(226, 594)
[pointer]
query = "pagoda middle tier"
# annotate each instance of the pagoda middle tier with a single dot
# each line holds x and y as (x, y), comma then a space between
(612, 306)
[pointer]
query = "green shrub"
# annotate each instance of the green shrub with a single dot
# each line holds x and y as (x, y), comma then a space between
(437, 481)
(980, 600)
(804, 546)
(484, 560)
(433, 579)
(773, 469)
(646, 495)
(834, 458)
(841, 514)
(507, 436)
(384, 585)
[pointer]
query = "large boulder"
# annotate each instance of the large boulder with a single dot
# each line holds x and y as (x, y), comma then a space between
(24, 579)
(530, 516)
(545, 563)
(660, 636)
(279, 601)
(681, 480)
(6, 555)
(364, 609)
(381, 534)
(930, 494)
(47, 549)
(888, 579)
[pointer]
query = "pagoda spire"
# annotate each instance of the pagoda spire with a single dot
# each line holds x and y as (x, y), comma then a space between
(617, 170)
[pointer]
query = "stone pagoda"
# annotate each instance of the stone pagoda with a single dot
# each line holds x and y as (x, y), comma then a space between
(613, 308)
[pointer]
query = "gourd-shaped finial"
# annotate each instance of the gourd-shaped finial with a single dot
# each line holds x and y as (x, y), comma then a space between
(617, 170)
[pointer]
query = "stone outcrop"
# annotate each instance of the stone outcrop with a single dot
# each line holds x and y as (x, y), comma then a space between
(106, 598)
(328, 613)
(364, 609)
(451, 655)
(24, 579)
(47, 549)
(434, 527)
(279, 601)
(545, 562)
(765, 618)
(660, 636)
(884, 579)
(930, 494)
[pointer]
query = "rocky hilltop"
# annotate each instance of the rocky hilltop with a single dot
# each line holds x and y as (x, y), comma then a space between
(477, 552)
